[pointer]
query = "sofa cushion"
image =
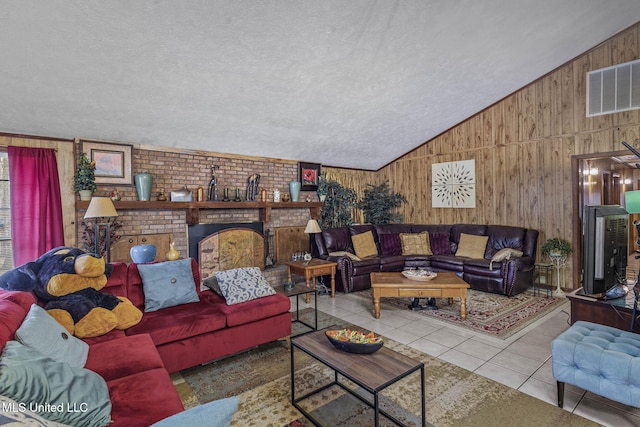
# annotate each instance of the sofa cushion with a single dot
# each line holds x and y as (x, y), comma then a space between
(439, 242)
(179, 322)
(11, 316)
(143, 398)
(167, 284)
(243, 284)
(251, 311)
(415, 243)
(503, 236)
(30, 377)
(338, 239)
(42, 332)
(390, 244)
(364, 245)
(218, 413)
(117, 281)
(136, 353)
(472, 246)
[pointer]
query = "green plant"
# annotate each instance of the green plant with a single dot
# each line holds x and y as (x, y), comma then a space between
(556, 245)
(378, 202)
(323, 188)
(85, 178)
(338, 208)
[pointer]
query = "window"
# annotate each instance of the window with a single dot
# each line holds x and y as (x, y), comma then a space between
(6, 250)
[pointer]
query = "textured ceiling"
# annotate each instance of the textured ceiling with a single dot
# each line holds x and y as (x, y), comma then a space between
(345, 83)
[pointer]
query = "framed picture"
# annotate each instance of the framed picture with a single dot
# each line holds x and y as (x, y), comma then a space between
(309, 175)
(113, 161)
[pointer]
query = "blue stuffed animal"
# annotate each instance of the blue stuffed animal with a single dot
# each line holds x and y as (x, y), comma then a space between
(68, 280)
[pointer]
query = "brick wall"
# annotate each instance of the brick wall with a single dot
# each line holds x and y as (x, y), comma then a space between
(171, 171)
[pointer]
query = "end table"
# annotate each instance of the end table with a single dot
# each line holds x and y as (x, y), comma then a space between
(312, 269)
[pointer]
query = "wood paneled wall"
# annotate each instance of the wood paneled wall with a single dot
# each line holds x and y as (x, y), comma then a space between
(523, 147)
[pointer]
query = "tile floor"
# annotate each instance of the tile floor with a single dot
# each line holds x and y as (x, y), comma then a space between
(522, 362)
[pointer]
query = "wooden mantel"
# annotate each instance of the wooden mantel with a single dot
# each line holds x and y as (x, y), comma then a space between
(193, 208)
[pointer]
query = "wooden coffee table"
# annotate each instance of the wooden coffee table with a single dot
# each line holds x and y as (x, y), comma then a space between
(373, 372)
(312, 269)
(395, 285)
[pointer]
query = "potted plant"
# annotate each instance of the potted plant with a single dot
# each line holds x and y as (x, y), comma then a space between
(84, 180)
(323, 189)
(337, 210)
(556, 247)
(378, 202)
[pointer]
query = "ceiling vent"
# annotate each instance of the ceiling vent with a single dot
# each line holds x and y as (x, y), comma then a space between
(613, 89)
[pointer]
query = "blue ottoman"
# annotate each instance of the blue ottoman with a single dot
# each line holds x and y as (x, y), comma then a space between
(599, 359)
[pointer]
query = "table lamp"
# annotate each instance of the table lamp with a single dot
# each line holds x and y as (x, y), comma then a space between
(101, 207)
(312, 228)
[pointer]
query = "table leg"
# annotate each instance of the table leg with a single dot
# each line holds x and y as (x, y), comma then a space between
(376, 306)
(333, 284)
(288, 273)
(463, 308)
(308, 282)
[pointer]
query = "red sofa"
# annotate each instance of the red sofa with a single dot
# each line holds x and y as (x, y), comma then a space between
(136, 363)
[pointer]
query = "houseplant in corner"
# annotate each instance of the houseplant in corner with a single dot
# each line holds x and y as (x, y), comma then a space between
(377, 203)
(84, 180)
(557, 250)
(322, 187)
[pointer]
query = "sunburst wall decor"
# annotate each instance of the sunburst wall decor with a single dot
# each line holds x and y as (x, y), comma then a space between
(453, 184)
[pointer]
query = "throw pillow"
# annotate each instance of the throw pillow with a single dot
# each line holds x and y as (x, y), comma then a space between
(345, 253)
(40, 331)
(54, 390)
(503, 254)
(439, 243)
(364, 244)
(415, 243)
(390, 244)
(167, 284)
(211, 282)
(472, 246)
(243, 284)
(218, 413)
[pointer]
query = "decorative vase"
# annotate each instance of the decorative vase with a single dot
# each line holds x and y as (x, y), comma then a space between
(294, 189)
(142, 253)
(173, 253)
(143, 186)
(85, 194)
(322, 197)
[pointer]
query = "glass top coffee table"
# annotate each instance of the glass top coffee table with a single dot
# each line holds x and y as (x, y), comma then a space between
(373, 372)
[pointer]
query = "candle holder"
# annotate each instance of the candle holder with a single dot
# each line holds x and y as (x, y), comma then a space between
(237, 199)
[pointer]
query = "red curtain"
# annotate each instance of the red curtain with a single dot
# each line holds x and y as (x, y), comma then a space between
(36, 207)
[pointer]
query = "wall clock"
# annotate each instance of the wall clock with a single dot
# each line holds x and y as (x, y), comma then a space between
(453, 184)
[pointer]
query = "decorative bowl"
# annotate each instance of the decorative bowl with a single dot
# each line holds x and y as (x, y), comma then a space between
(419, 275)
(354, 347)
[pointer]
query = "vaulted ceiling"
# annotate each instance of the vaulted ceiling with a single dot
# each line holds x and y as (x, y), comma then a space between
(345, 83)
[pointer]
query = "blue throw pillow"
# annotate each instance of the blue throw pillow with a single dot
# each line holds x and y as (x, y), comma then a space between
(54, 390)
(42, 332)
(243, 284)
(167, 284)
(213, 414)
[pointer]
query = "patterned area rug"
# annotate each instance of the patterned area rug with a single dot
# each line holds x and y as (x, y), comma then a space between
(496, 315)
(453, 395)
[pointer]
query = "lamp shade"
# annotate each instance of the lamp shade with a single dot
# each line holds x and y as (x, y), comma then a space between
(312, 227)
(632, 201)
(100, 207)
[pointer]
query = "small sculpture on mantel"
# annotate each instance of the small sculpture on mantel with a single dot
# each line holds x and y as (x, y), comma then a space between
(213, 185)
(252, 187)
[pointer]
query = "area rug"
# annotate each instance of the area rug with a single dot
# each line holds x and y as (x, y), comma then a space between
(453, 395)
(492, 314)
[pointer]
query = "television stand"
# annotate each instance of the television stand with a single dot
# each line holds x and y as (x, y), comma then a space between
(614, 312)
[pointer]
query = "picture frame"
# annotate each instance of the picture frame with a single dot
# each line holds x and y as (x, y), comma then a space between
(113, 161)
(309, 175)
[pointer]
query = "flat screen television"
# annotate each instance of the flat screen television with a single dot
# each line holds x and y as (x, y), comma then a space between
(604, 248)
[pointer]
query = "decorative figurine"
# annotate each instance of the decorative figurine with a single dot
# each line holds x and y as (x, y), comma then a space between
(252, 187)
(213, 184)
(115, 196)
(161, 196)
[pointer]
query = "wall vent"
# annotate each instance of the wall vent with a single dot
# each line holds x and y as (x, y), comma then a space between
(613, 89)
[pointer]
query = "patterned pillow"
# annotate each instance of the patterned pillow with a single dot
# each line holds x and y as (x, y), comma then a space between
(390, 244)
(440, 244)
(415, 243)
(243, 284)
